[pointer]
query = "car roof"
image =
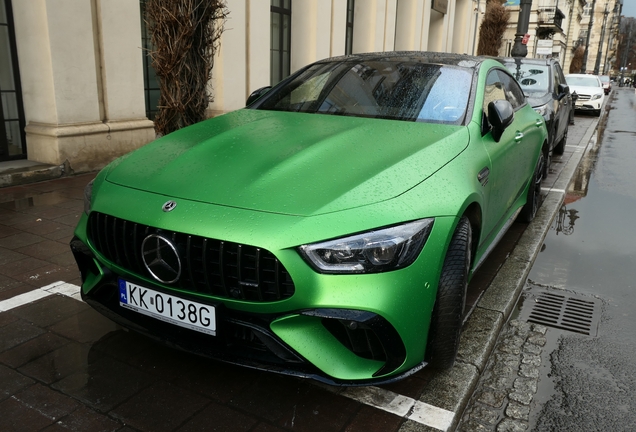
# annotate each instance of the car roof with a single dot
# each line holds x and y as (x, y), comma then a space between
(526, 60)
(462, 60)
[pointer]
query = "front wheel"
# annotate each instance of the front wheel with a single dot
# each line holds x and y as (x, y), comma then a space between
(448, 313)
(533, 200)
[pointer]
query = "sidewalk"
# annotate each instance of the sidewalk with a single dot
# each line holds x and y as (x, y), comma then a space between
(36, 225)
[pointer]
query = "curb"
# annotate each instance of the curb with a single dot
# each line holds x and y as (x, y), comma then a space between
(453, 388)
(34, 174)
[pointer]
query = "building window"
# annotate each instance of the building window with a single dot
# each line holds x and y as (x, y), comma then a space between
(12, 123)
(349, 34)
(587, 9)
(280, 40)
(151, 82)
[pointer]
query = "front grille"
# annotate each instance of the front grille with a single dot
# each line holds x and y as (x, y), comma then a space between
(584, 97)
(209, 266)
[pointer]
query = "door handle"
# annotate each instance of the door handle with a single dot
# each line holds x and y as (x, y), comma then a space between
(538, 123)
(518, 136)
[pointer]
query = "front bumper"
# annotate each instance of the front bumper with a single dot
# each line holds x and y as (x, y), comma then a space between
(338, 329)
(588, 105)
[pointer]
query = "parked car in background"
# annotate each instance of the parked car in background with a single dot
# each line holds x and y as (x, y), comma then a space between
(545, 87)
(607, 83)
(589, 90)
(328, 230)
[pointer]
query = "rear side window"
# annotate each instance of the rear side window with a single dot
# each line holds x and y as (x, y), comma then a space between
(501, 86)
(513, 92)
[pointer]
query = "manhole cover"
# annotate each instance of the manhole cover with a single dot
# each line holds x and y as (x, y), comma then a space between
(565, 311)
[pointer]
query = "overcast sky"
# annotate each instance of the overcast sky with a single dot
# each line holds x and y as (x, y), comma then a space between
(629, 8)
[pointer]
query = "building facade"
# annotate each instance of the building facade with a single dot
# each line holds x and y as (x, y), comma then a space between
(78, 88)
(558, 27)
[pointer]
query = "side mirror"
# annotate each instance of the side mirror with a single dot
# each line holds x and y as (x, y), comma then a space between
(257, 94)
(564, 89)
(500, 116)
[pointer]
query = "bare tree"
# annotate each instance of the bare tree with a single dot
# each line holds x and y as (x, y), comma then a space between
(492, 28)
(577, 59)
(185, 36)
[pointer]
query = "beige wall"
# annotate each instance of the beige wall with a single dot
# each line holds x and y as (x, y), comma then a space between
(318, 31)
(81, 74)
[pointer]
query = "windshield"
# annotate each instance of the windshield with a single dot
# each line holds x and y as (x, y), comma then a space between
(604, 78)
(582, 81)
(398, 90)
(532, 78)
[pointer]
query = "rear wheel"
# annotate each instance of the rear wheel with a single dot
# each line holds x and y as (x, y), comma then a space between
(448, 313)
(533, 200)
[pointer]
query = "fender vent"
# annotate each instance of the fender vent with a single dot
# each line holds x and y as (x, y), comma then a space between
(561, 310)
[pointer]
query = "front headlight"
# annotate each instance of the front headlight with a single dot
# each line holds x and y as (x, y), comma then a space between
(541, 110)
(88, 194)
(596, 96)
(371, 252)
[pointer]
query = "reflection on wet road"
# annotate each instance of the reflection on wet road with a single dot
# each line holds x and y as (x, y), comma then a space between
(588, 383)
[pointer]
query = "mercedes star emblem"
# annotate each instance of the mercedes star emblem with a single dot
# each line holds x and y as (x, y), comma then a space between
(169, 206)
(161, 258)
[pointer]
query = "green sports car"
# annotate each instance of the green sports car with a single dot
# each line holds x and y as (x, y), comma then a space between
(328, 230)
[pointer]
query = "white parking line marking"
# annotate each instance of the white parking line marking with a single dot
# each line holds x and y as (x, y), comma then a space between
(22, 299)
(403, 406)
(59, 287)
(385, 400)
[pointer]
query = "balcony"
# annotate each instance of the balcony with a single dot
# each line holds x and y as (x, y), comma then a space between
(550, 18)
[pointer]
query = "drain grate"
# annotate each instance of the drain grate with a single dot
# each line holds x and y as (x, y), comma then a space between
(562, 311)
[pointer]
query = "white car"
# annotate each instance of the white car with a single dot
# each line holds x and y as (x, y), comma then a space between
(589, 90)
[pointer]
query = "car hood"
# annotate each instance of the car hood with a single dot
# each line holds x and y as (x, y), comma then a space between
(585, 90)
(290, 163)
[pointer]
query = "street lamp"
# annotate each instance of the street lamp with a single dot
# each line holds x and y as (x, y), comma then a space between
(519, 49)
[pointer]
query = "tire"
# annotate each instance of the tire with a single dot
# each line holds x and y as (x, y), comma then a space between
(533, 200)
(448, 313)
(560, 147)
(547, 162)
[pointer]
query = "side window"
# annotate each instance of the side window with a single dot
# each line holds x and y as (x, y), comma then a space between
(558, 77)
(513, 92)
(494, 89)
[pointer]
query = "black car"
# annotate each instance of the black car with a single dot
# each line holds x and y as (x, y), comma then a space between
(543, 83)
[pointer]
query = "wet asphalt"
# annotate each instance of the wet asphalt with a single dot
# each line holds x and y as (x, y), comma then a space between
(590, 383)
(574, 371)
(65, 367)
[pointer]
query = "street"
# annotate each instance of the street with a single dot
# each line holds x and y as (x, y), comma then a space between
(63, 365)
(569, 367)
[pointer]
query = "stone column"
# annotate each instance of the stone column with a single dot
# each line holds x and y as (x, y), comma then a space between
(81, 71)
